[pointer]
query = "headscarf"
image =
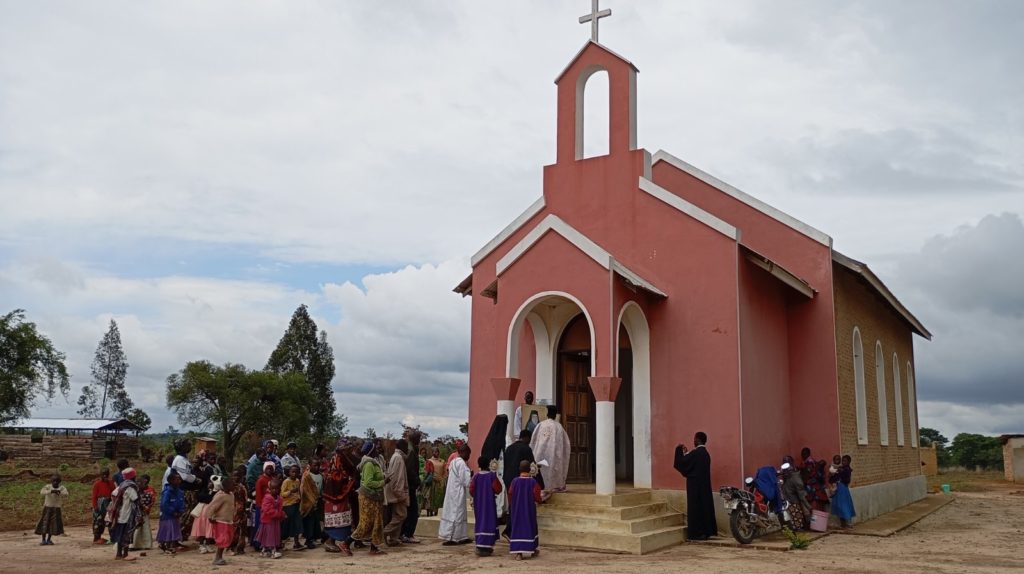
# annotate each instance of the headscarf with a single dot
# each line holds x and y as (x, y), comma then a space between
(338, 482)
(494, 443)
(268, 464)
(367, 447)
(128, 473)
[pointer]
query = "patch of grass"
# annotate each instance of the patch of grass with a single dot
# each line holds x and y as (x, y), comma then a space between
(797, 541)
(965, 480)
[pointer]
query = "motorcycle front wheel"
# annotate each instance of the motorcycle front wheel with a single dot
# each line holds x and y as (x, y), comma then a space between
(742, 527)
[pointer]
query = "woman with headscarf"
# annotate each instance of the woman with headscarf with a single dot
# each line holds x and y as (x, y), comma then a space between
(371, 500)
(493, 450)
(793, 491)
(338, 485)
(433, 498)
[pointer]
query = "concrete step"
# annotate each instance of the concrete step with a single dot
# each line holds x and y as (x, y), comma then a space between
(586, 523)
(638, 536)
(605, 500)
(606, 512)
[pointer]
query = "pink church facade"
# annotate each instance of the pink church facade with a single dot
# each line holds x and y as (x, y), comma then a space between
(649, 300)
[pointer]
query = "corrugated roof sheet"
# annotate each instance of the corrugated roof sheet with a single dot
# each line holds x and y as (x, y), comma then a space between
(74, 424)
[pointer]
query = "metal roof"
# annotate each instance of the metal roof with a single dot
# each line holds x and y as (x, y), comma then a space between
(74, 424)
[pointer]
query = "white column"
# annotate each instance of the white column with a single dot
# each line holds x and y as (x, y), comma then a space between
(604, 447)
(507, 408)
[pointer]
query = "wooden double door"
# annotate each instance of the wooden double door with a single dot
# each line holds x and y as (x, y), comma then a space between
(576, 405)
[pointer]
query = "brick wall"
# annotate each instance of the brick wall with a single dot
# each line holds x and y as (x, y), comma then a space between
(858, 306)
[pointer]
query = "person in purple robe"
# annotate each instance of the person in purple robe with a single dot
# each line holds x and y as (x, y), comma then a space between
(484, 488)
(523, 495)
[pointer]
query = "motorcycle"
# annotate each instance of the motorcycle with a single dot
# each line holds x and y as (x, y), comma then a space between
(750, 512)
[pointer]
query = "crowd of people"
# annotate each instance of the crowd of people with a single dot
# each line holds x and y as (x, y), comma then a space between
(354, 498)
(342, 501)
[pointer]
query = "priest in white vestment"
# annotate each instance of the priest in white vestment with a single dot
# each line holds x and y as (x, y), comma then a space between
(550, 443)
(454, 516)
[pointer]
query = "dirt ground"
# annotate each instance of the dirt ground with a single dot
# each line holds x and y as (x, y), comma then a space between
(978, 532)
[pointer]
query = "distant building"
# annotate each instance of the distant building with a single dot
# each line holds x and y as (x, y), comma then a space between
(64, 440)
(1013, 456)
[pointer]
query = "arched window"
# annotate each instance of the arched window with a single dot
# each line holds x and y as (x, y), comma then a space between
(883, 403)
(912, 405)
(596, 114)
(897, 388)
(858, 384)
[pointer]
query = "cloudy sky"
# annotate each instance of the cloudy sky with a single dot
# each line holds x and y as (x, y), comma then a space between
(196, 170)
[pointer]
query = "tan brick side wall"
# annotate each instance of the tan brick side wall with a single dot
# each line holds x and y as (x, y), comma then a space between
(856, 305)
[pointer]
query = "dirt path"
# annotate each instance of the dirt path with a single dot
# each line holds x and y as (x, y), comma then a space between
(979, 532)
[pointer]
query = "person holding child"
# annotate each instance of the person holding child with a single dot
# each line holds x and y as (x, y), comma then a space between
(271, 516)
(124, 514)
(143, 539)
(241, 520)
(842, 501)
(52, 520)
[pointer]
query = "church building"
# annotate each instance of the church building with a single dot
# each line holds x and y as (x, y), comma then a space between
(648, 300)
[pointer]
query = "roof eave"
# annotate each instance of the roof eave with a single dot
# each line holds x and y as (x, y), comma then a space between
(876, 283)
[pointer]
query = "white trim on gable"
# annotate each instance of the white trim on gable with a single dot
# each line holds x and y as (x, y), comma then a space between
(511, 228)
(688, 208)
(554, 223)
(750, 200)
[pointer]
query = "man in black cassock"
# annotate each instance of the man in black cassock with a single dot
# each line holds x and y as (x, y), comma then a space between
(695, 466)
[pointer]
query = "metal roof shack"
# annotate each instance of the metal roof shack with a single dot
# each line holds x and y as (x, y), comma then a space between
(75, 425)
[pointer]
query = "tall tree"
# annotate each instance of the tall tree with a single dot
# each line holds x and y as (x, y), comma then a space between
(302, 350)
(109, 369)
(29, 366)
(233, 400)
(973, 450)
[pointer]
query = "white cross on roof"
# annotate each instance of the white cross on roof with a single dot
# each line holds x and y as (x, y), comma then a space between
(595, 15)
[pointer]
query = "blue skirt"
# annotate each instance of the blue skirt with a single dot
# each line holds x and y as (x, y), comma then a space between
(842, 502)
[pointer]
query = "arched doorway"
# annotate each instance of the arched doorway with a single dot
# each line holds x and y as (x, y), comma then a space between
(575, 400)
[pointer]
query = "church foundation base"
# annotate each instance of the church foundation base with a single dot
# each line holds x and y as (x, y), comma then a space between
(874, 500)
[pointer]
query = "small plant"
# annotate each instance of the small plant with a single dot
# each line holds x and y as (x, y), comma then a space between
(797, 541)
(63, 468)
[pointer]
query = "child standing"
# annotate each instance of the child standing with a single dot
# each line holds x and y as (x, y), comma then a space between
(292, 526)
(484, 489)
(221, 514)
(842, 502)
(102, 491)
(262, 483)
(52, 520)
(524, 496)
(172, 506)
(311, 505)
(147, 498)
(271, 516)
(241, 507)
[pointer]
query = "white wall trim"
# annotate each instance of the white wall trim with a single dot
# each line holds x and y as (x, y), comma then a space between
(860, 387)
(883, 395)
(511, 228)
(912, 405)
(516, 326)
(897, 386)
(545, 378)
(554, 223)
(688, 208)
(632, 318)
(750, 200)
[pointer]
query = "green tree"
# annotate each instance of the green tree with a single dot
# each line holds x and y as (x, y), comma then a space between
(139, 417)
(339, 425)
(973, 450)
(302, 350)
(29, 366)
(109, 369)
(929, 437)
(233, 400)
